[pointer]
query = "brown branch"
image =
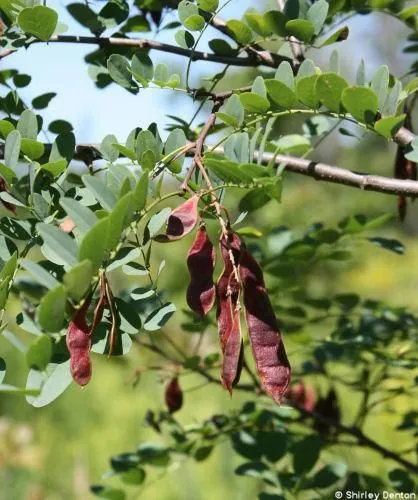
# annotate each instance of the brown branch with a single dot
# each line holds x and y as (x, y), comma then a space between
(144, 43)
(318, 171)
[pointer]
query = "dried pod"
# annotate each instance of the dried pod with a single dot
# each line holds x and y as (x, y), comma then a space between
(302, 396)
(79, 345)
(201, 263)
(267, 346)
(181, 221)
(228, 311)
(173, 396)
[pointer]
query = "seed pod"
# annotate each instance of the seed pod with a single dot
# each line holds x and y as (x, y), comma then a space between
(181, 221)
(79, 344)
(302, 396)
(173, 396)
(228, 311)
(201, 263)
(268, 350)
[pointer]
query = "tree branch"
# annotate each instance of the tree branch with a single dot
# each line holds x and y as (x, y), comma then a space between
(318, 171)
(144, 43)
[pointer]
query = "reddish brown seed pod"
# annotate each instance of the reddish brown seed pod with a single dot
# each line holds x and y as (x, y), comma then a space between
(302, 396)
(228, 310)
(201, 263)
(181, 221)
(79, 344)
(267, 345)
(173, 396)
(402, 207)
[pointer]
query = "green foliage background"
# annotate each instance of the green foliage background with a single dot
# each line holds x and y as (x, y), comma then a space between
(55, 453)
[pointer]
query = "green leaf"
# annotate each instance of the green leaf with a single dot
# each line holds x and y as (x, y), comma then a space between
(293, 144)
(140, 193)
(6, 274)
(158, 318)
(51, 310)
(108, 152)
(329, 475)
(186, 9)
(42, 275)
(329, 87)
(240, 31)
(5, 128)
(251, 469)
(108, 492)
(51, 384)
(32, 149)
(305, 454)
(194, 23)
(339, 36)
(306, 91)
(86, 17)
(42, 101)
(130, 321)
(12, 149)
(114, 12)
(58, 244)
(39, 353)
(380, 84)
(82, 216)
(8, 175)
(276, 22)
(361, 103)
(258, 24)
(208, 5)
(100, 191)
(55, 168)
(77, 280)
(119, 218)
(119, 71)
(285, 75)
(146, 142)
(389, 125)
(184, 39)
(133, 476)
(389, 244)
(176, 140)
(226, 170)
(301, 29)
(254, 103)
(39, 21)
(129, 153)
(142, 68)
(317, 14)
(94, 245)
(60, 127)
(28, 125)
(63, 148)
(233, 112)
(281, 94)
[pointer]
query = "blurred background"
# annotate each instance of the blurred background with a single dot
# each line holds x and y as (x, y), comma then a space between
(55, 453)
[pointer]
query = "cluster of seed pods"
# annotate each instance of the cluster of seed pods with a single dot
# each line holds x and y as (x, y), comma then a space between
(240, 286)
